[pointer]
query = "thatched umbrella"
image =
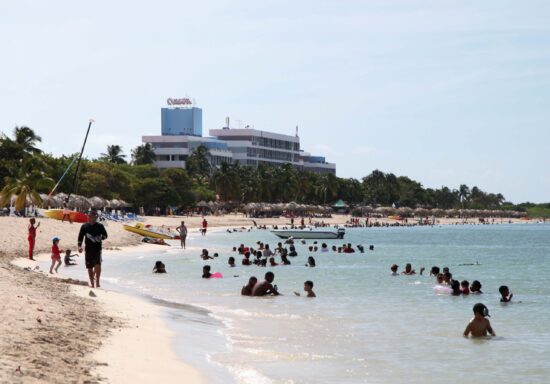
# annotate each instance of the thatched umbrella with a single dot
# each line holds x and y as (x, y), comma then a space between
(114, 204)
(404, 211)
(292, 206)
(438, 212)
(202, 204)
(81, 203)
(421, 212)
(98, 202)
(48, 201)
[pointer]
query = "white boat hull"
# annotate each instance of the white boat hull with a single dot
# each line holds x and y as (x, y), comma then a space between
(309, 234)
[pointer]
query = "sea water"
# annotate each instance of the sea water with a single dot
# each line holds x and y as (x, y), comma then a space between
(365, 325)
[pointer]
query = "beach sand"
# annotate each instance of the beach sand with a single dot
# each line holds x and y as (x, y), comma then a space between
(52, 331)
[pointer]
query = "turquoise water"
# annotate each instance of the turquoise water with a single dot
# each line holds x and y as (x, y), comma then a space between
(364, 326)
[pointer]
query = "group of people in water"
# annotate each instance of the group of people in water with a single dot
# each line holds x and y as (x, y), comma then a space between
(479, 326)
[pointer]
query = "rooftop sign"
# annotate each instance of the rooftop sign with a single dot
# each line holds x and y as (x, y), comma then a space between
(182, 101)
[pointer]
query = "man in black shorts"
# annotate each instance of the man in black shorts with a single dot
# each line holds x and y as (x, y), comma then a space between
(94, 233)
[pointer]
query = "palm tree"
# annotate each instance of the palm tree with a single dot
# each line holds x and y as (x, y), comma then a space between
(327, 187)
(114, 155)
(143, 154)
(198, 162)
(226, 181)
(26, 139)
(26, 186)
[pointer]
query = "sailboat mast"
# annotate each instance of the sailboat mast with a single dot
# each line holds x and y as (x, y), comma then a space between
(79, 159)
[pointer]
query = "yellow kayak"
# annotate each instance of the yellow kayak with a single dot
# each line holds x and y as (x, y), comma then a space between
(153, 232)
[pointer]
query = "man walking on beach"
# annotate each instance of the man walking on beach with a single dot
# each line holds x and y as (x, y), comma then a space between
(182, 229)
(94, 233)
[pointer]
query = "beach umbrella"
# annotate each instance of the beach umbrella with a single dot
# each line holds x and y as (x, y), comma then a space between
(404, 211)
(421, 212)
(48, 201)
(114, 204)
(98, 202)
(202, 204)
(438, 212)
(80, 202)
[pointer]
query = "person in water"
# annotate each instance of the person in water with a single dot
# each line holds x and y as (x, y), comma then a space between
(284, 259)
(393, 269)
(204, 255)
(439, 279)
(506, 295)
(475, 288)
(231, 261)
(408, 270)
(67, 258)
(56, 255)
(246, 259)
(206, 272)
(310, 262)
(434, 271)
(247, 289)
(266, 287)
(308, 287)
(272, 262)
(479, 326)
(182, 230)
(455, 286)
(159, 267)
(465, 287)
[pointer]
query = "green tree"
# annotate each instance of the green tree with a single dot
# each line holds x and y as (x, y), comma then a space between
(114, 155)
(143, 154)
(198, 162)
(27, 186)
(227, 182)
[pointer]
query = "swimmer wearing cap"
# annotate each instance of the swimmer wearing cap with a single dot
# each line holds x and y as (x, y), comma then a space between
(479, 326)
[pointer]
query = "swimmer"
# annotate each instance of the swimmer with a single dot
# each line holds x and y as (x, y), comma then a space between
(265, 288)
(310, 262)
(506, 295)
(247, 289)
(206, 272)
(204, 255)
(231, 261)
(272, 262)
(434, 271)
(479, 326)
(284, 259)
(159, 267)
(308, 287)
(455, 286)
(475, 288)
(447, 277)
(439, 279)
(408, 270)
(393, 269)
(246, 259)
(465, 287)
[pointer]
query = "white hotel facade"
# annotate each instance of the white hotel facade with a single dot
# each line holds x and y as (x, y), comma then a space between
(182, 133)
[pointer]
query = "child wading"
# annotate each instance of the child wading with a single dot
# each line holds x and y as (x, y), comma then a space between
(56, 254)
(479, 326)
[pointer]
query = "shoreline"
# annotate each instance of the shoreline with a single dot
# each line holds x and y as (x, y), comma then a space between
(79, 330)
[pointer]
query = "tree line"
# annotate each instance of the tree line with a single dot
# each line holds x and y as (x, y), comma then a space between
(25, 168)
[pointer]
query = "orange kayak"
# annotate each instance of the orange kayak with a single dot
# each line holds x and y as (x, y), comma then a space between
(76, 217)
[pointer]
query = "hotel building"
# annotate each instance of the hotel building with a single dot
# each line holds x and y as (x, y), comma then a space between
(181, 128)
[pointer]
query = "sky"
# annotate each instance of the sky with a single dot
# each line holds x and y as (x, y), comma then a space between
(444, 92)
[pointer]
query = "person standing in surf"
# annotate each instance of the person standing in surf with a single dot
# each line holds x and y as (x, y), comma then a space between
(32, 237)
(94, 234)
(182, 229)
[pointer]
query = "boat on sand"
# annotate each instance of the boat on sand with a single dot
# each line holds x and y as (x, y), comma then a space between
(151, 231)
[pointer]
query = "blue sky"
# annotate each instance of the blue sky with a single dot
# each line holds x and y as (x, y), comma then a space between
(445, 92)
